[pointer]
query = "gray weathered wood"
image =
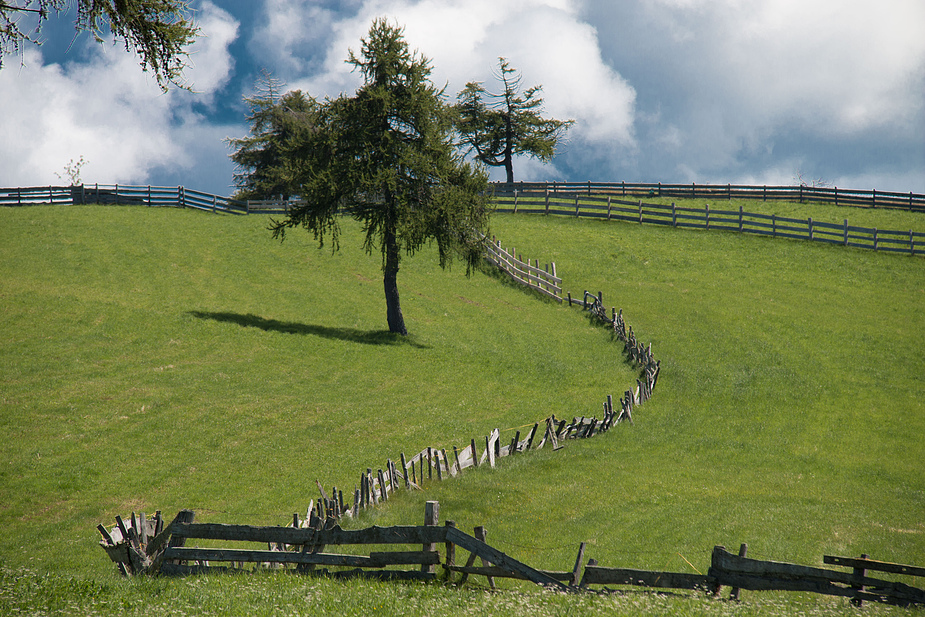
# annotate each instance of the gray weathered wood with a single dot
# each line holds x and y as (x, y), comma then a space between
(288, 535)
(431, 518)
(576, 571)
(597, 575)
(734, 571)
(872, 564)
(500, 559)
(499, 572)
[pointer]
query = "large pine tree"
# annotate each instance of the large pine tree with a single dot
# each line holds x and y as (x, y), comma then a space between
(386, 156)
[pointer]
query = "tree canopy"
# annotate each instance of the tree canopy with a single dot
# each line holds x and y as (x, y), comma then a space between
(498, 127)
(386, 157)
(279, 125)
(158, 31)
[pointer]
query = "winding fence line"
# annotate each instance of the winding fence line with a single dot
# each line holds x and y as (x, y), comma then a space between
(607, 206)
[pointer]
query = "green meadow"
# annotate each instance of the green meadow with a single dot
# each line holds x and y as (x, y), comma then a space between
(161, 359)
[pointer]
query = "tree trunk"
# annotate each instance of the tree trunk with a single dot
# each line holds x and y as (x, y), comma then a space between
(390, 281)
(509, 148)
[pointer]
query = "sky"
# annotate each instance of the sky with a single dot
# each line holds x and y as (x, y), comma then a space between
(672, 91)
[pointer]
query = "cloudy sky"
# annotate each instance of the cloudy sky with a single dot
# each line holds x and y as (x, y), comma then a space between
(740, 91)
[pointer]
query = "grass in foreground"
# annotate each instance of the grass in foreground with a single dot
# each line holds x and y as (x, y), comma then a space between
(149, 353)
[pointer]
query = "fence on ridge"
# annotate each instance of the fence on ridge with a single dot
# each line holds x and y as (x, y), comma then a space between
(796, 193)
(135, 195)
(606, 206)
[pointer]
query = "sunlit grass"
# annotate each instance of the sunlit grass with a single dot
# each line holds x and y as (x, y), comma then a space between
(162, 359)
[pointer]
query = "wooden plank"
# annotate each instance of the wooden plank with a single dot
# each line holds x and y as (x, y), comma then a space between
(597, 575)
(500, 559)
(382, 575)
(734, 571)
(431, 518)
(499, 572)
(288, 535)
(871, 564)
(252, 556)
(405, 558)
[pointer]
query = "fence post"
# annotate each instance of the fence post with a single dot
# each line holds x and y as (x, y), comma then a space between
(589, 188)
(117, 194)
(801, 193)
(875, 238)
(859, 572)
(836, 195)
(608, 207)
(431, 517)
(809, 223)
(693, 190)
(450, 554)
(734, 594)
(481, 534)
(729, 192)
(149, 195)
(911, 243)
(846, 232)
(764, 193)
(774, 223)
(707, 213)
(873, 194)
(213, 204)
(674, 216)
(547, 200)
(623, 184)
(576, 205)
(640, 212)
(740, 219)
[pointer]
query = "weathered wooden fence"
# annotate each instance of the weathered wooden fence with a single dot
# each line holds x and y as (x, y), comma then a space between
(543, 280)
(122, 194)
(378, 485)
(796, 193)
(603, 206)
(144, 546)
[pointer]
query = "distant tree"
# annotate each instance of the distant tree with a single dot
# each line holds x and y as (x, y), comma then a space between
(279, 124)
(72, 171)
(498, 127)
(800, 179)
(386, 157)
(159, 31)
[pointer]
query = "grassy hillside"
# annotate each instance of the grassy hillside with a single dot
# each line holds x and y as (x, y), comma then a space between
(163, 359)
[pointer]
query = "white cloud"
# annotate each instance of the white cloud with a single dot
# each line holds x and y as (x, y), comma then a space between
(544, 39)
(106, 110)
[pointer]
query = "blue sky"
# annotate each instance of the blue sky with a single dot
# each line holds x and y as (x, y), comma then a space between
(706, 91)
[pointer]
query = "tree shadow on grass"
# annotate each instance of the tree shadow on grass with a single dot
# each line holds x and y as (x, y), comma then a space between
(352, 335)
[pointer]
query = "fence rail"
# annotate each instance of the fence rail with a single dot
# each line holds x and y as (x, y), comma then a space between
(602, 206)
(798, 193)
(143, 546)
(543, 280)
(122, 194)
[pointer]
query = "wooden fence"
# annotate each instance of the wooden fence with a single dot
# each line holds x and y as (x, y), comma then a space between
(602, 206)
(543, 280)
(144, 546)
(795, 193)
(376, 486)
(121, 194)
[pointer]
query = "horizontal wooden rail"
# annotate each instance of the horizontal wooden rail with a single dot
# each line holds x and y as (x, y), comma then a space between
(710, 218)
(799, 193)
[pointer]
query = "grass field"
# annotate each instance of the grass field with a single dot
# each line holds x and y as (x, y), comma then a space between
(167, 359)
